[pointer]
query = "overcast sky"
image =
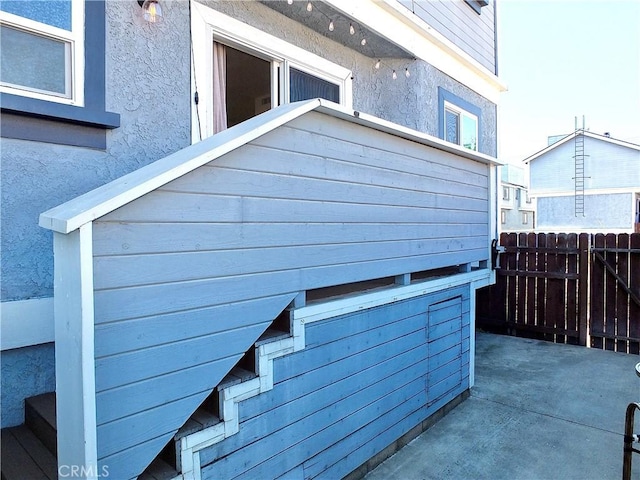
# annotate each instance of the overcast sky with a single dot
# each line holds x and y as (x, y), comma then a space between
(566, 58)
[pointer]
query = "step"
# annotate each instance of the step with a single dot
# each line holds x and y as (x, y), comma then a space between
(40, 417)
(159, 470)
(25, 456)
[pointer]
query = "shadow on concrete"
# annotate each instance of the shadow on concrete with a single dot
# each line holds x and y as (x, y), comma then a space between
(537, 411)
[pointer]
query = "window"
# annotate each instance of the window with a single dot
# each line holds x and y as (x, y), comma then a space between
(517, 194)
(525, 218)
(477, 4)
(505, 193)
(459, 120)
(503, 216)
(65, 39)
(39, 37)
(259, 72)
(527, 197)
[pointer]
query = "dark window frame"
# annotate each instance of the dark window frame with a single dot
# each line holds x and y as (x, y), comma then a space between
(477, 5)
(447, 96)
(68, 120)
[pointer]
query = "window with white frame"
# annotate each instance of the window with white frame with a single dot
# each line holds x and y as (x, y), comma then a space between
(503, 216)
(525, 218)
(505, 193)
(461, 127)
(268, 71)
(459, 120)
(42, 54)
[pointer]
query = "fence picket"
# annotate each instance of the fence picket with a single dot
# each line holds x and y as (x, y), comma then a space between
(568, 288)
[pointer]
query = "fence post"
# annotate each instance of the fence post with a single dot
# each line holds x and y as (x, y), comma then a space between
(584, 247)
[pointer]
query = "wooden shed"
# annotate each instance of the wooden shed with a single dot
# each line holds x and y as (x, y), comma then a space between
(285, 298)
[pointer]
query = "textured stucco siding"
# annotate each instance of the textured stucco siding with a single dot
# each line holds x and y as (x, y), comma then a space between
(25, 372)
(602, 213)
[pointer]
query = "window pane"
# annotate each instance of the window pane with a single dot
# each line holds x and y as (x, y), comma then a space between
(304, 87)
(452, 126)
(33, 61)
(469, 132)
(56, 13)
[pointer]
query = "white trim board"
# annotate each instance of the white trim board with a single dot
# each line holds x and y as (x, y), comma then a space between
(391, 20)
(26, 323)
(335, 308)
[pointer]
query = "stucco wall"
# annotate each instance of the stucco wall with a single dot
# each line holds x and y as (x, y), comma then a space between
(25, 372)
(412, 101)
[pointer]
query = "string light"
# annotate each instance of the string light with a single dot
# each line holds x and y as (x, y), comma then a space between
(352, 30)
(394, 75)
(406, 72)
(290, 2)
(309, 7)
(377, 65)
(331, 26)
(363, 42)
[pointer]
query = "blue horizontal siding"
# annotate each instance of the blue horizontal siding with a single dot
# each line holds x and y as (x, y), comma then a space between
(362, 382)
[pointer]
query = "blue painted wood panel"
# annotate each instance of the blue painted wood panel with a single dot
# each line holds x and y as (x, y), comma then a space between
(188, 276)
(361, 383)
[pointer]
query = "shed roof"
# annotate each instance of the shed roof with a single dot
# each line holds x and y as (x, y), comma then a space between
(585, 133)
(73, 214)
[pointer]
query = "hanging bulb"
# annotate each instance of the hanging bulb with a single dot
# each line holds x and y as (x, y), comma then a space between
(377, 65)
(309, 7)
(406, 73)
(331, 26)
(351, 29)
(363, 42)
(152, 11)
(290, 2)
(394, 75)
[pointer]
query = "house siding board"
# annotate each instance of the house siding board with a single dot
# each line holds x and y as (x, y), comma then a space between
(360, 383)
(346, 177)
(460, 24)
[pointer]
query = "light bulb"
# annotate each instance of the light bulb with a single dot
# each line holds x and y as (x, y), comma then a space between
(331, 26)
(152, 11)
(351, 29)
(363, 42)
(394, 75)
(406, 73)
(377, 65)
(309, 7)
(290, 2)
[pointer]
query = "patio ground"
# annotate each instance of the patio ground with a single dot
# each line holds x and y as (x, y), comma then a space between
(538, 410)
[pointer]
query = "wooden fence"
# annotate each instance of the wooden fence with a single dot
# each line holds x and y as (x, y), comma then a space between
(566, 288)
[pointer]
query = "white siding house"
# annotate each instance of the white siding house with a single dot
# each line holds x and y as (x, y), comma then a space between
(607, 201)
(517, 208)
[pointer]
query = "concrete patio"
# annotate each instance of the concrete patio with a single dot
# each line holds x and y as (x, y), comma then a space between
(537, 411)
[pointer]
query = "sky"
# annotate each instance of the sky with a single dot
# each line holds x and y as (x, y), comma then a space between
(566, 58)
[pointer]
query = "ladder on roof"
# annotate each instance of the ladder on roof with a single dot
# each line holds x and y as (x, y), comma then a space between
(579, 172)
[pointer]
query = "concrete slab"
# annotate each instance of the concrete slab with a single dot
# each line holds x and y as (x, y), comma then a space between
(538, 411)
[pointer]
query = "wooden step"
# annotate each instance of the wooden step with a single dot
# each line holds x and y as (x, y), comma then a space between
(158, 470)
(25, 456)
(40, 417)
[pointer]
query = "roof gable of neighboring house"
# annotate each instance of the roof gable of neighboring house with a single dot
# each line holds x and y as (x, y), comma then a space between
(586, 134)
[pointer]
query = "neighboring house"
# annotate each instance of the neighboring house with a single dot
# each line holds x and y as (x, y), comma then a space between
(517, 210)
(249, 281)
(586, 182)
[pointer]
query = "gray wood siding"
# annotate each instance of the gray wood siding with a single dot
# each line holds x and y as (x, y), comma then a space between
(188, 276)
(460, 24)
(363, 380)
